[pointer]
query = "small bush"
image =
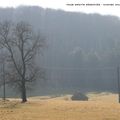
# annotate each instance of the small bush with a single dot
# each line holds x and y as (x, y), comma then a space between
(79, 96)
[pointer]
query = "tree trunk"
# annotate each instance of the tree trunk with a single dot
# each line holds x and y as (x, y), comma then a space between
(24, 98)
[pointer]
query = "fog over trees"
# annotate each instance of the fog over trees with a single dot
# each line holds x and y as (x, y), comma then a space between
(82, 53)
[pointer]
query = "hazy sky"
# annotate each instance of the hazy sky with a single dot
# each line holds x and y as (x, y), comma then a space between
(62, 4)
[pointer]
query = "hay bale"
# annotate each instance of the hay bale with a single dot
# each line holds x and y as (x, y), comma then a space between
(79, 96)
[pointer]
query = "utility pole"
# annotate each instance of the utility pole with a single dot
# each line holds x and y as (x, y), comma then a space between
(3, 72)
(118, 79)
(4, 90)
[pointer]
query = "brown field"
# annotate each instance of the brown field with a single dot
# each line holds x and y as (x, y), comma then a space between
(102, 106)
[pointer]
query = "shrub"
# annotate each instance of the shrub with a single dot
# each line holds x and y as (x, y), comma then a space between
(79, 96)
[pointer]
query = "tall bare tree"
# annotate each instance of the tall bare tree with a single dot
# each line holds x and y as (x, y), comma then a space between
(22, 45)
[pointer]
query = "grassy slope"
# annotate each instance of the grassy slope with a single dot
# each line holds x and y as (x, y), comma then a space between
(99, 107)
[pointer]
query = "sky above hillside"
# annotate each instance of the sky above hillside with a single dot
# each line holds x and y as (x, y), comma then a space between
(105, 7)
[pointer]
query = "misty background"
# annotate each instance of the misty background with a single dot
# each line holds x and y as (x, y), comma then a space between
(82, 50)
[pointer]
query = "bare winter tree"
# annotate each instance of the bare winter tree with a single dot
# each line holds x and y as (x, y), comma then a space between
(22, 45)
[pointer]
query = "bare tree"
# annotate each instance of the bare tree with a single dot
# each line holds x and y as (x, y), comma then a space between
(22, 45)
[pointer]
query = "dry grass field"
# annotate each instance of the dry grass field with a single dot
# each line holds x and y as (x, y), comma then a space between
(102, 106)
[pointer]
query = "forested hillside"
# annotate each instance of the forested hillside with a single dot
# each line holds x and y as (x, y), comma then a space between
(82, 50)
